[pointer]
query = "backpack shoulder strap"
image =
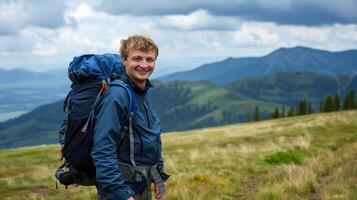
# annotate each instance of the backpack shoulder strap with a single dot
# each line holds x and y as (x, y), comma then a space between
(131, 96)
(129, 117)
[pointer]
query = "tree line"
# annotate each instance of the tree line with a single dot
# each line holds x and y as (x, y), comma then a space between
(331, 103)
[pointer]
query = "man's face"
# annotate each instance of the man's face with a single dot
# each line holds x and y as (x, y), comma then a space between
(140, 65)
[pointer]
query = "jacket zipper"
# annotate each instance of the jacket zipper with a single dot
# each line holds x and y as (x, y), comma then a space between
(147, 111)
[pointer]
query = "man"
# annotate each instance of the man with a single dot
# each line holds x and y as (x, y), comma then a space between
(139, 55)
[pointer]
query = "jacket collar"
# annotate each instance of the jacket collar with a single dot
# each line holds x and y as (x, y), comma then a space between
(126, 79)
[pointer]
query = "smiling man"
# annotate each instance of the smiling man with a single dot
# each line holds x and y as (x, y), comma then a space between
(127, 162)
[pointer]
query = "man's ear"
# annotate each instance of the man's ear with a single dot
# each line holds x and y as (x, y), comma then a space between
(124, 61)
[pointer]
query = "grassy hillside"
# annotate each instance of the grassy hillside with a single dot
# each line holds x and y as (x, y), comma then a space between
(308, 157)
(36, 127)
(189, 105)
(180, 106)
(290, 88)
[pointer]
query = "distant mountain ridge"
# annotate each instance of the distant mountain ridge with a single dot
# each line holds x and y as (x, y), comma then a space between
(180, 105)
(27, 78)
(22, 90)
(284, 59)
(18, 75)
(188, 105)
(289, 88)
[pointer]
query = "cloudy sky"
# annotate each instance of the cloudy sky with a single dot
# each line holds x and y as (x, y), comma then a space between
(42, 34)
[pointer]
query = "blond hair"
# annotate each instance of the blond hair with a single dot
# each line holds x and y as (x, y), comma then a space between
(137, 42)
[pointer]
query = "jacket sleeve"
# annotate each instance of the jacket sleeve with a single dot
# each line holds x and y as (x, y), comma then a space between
(110, 116)
(160, 162)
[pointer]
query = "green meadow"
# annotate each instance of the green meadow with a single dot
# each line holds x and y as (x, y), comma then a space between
(307, 157)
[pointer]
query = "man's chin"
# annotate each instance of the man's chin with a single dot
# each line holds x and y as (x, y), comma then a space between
(141, 78)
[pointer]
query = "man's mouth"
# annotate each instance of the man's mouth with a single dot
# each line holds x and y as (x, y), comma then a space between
(142, 71)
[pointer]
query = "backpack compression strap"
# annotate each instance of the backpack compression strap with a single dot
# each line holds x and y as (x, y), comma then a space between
(105, 83)
(129, 117)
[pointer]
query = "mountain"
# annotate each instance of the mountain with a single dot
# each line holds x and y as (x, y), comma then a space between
(189, 105)
(284, 59)
(27, 78)
(185, 105)
(180, 106)
(23, 90)
(289, 88)
(35, 127)
(20, 75)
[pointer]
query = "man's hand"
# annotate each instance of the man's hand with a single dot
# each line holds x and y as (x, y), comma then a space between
(158, 196)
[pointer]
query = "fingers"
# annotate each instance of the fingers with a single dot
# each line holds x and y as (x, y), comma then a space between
(158, 195)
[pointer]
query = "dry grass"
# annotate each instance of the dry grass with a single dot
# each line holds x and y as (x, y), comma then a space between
(228, 162)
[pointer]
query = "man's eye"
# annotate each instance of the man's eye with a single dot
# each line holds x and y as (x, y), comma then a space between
(150, 60)
(136, 58)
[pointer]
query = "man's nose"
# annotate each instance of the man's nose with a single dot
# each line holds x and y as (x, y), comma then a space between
(144, 64)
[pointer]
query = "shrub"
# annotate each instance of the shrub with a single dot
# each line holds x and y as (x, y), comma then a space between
(284, 158)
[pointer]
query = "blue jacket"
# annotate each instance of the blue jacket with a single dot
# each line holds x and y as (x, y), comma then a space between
(110, 116)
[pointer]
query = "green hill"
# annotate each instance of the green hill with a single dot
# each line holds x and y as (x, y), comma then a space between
(188, 105)
(180, 105)
(307, 157)
(289, 88)
(34, 128)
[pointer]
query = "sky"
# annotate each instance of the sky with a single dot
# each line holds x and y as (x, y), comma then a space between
(44, 35)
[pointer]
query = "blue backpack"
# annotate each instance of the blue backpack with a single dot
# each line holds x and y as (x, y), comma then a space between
(91, 75)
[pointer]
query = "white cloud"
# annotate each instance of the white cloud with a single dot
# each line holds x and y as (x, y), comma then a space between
(298, 12)
(193, 36)
(16, 15)
(198, 20)
(12, 17)
(255, 34)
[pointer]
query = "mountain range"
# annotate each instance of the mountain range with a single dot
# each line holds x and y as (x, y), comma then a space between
(295, 59)
(289, 88)
(218, 93)
(183, 105)
(23, 90)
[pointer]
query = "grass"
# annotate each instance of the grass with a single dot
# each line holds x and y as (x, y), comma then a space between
(307, 157)
(284, 158)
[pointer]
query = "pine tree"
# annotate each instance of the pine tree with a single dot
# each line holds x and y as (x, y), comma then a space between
(283, 111)
(302, 107)
(329, 104)
(291, 112)
(337, 102)
(256, 114)
(348, 102)
(275, 114)
(352, 96)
